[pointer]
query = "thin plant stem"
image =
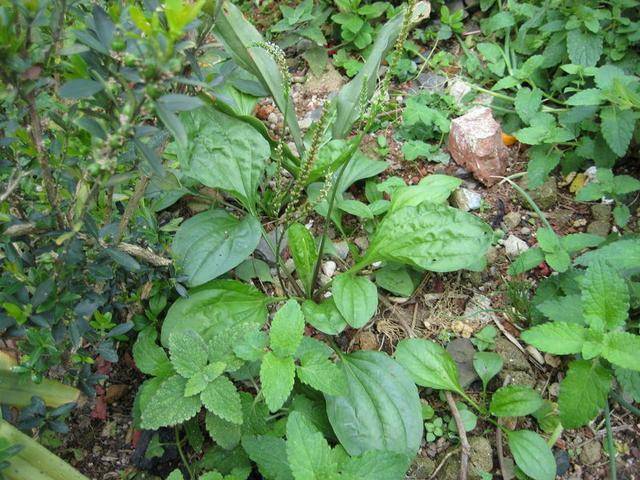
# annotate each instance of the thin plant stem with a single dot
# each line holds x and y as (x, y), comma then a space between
(181, 452)
(625, 404)
(611, 448)
(529, 200)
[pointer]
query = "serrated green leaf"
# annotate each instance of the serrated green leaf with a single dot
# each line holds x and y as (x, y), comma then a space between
(541, 164)
(252, 346)
(382, 409)
(617, 128)
(558, 338)
(322, 374)
(623, 184)
(584, 48)
(605, 297)
(527, 260)
(308, 452)
(304, 253)
(395, 278)
(527, 103)
(588, 96)
(622, 349)
(276, 376)
(356, 298)
(223, 432)
(324, 316)
(574, 242)
(287, 329)
(566, 309)
(168, 406)
(515, 401)
(270, 454)
(629, 380)
(221, 398)
(198, 382)
(428, 363)
(532, 454)
(149, 357)
(583, 392)
(189, 352)
(212, 243)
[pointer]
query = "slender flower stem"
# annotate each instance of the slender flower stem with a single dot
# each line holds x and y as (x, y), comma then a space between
(181, 452)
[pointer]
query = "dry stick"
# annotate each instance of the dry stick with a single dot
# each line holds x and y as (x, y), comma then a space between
(36, 136)
(464, 443)
(131, 208)
(13, 182)
(499, 446)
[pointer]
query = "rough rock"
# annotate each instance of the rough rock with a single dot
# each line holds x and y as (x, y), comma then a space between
(563, 464)
(366, 340)
(599, 227)
(462, 352)
(423, 468)
(330, 81)
(514, 246)
(517, 377)
(480, 460)
(513, 358)
(431, 82)
(458, 89)
(591, 453)
(601, 212)
(466, 199)
(545, 196)
(329, 268)
(512, 220)
(475, 143)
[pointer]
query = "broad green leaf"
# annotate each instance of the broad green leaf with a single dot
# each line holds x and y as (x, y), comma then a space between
(253, 268)
(224, 152)
(221, 398)
(623, 184)
(324, 316)
(558, 338)
(239, 38)
(376, 464)
(527, 103)
(532, 454)
(395, 278)
(584, 48)
(574, 242)
(223, 432)
(215, 307)
(270, 454)
(356, 208)
(629, 380)
(349, 98)
(541, 164)
(149, 357)
(487, 365)
(382, 409)
(80, 88)
(168, 406)
(605, 297)
(617, 128)
(322, 374)
(252, 347)
(622, 349)
(189, 353)
(308, 452)
(583, 392)
(173, 124)
(515, 401)
(431, 189)
(431, 237)
(287, 329)
(303, 250)
(175, 475)
(356, 298)
(429, 364)
(212, 243)
(276, 376)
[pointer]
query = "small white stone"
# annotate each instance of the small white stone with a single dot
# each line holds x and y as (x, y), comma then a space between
(329, 268)
(272, 118)
(376, 264)
(466, 199)
(514, 246)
